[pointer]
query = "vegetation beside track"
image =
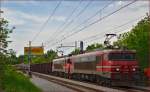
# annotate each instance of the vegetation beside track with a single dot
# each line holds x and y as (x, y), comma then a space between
(10, 79)
(17, 82)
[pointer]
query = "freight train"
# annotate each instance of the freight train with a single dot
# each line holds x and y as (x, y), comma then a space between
(106, 67)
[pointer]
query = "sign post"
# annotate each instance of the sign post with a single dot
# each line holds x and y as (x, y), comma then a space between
(35, 50)
(32, 50)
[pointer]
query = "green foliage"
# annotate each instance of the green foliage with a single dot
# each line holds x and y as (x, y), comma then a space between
(137, 39)
(4, 35)
(50, 55)
(75, 52)
(17, 82)
(94, 46)
(10, 80)
(47, 57)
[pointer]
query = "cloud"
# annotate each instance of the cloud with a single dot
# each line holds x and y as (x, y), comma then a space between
(101, 28)
(18, 18)
(31, 23)
(59, 18)
(22, 2)
(116, 4)
(119, 3)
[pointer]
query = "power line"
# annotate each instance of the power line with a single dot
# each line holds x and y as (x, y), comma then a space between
(85, 21)
(95, 36)
(96, 21)
(62, 30)
(92, 16)
(80, 13)
(114, 28)
(43, 26)
(71, 14)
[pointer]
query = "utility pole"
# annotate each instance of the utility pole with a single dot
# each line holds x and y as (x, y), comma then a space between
(29, 59)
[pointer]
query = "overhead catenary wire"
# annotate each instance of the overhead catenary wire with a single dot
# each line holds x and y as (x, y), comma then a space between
(116, 32)
(85, 21)
(104, 35)
(95, 22)
(71, 21)
(58, 29)
(45, 23)
(90, 39)
(114, 28)
(77, 16)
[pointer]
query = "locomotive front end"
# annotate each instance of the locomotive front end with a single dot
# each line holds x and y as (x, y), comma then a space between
(124, 68)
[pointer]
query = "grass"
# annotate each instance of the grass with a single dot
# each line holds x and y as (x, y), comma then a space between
(17, 82)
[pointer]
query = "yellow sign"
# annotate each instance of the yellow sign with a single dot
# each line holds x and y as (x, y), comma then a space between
(34, 50)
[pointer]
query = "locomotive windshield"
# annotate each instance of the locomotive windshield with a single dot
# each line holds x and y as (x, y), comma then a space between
(122, 56)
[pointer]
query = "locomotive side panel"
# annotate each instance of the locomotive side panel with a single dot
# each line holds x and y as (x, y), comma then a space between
(85, 64)
(58, 65)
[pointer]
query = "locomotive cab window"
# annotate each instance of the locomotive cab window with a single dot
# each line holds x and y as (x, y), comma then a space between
(122, 56)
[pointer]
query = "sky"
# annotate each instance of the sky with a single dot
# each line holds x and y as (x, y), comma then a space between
(29, 16)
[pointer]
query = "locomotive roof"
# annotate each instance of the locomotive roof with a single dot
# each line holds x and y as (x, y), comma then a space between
(103, 51)
(95, 53)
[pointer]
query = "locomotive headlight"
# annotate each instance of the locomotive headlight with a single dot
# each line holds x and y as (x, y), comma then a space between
(117, 69)
(133, 69)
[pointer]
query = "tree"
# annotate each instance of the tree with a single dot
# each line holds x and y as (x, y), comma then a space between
(75, 52)
(47, 57)
(51, 54)
(137, 39)
(94, 46)
(4, 35)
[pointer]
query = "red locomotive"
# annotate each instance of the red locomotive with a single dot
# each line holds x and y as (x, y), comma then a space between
(107, 67)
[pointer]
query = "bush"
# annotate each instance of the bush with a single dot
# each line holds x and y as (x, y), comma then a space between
(17, 82)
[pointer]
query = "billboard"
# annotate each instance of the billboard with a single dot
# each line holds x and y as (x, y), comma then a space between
(34, 50)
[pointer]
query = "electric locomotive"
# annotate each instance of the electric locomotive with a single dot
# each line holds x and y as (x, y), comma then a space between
(106, 67)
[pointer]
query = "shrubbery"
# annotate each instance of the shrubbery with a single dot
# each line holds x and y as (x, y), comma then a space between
(14, 81)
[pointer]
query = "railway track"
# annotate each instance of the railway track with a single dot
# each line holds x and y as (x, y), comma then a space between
(132, 89)
(87, 86)
(76, 85)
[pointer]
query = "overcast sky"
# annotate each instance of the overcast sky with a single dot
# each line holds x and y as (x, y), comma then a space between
(29, 16)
